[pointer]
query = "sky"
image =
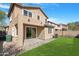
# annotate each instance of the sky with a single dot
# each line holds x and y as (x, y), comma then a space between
(56, 12)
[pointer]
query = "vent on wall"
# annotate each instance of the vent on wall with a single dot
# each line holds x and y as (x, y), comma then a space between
(28, 20)
(41, 22)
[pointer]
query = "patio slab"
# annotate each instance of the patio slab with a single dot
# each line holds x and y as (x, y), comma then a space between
(33, 43)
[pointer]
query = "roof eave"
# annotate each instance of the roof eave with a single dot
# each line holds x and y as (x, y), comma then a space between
(12, 5)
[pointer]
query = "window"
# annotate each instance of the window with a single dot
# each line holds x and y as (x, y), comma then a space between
(38, 17)
(25, 12)
(56, 29)
(49, 30)
(46, 21)
(30, 32)
(30, 14)
(16, 26)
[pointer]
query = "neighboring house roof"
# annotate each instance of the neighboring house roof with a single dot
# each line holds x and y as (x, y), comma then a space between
(29, 7)
(63, 24)
(52, 22)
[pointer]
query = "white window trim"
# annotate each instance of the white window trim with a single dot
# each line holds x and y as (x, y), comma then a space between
(49, 32)
(27, 11)
(22, 11)
(10, 19)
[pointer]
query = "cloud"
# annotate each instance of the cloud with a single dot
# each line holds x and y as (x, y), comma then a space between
(4, 6)
(43, 4)
(55, 20)
(6, 13)
(52, 19)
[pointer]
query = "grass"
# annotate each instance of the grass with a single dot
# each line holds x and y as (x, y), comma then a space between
(62, 46)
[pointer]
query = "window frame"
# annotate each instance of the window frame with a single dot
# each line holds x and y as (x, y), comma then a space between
(30, 14)
(10, 19)
(49, 30)
(38, 17)
(25, 12)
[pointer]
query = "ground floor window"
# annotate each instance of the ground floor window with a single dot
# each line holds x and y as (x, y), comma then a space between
(49, 30)
(56, 29)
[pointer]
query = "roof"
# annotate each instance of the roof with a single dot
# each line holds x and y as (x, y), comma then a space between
(52, 22)
(21, 6)
(63, 24)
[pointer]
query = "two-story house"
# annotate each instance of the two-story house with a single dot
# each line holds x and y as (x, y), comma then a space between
(27, 22)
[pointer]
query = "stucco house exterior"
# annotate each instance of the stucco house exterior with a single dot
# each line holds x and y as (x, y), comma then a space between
(27, 22)
(77, 27)
(60, 27)
(63, 27)
(57, 27)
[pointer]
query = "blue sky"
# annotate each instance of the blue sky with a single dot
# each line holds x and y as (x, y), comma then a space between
(57, 12)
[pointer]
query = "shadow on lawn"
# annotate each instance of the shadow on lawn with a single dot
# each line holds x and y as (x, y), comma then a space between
(75, 48)
(76, 40)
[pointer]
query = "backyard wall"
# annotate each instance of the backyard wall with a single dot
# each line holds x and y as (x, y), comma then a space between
(67, 33)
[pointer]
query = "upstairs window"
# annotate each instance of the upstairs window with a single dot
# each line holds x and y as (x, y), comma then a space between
(38, 17)
(25, 12)
(30, 14)
(46, 21)
(56, 29)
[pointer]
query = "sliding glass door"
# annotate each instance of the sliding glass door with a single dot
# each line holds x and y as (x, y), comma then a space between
(33, 32)
(30, 32)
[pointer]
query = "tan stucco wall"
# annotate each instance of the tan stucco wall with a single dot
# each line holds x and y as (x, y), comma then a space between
(33, 19)
(16, 20)
(37, 12)
(40, 33)
(14, 16)
(48, 35)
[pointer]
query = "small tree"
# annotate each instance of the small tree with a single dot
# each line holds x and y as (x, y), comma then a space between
(71, 26)
(2, 19)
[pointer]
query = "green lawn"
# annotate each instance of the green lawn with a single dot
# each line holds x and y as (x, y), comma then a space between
(62, 46)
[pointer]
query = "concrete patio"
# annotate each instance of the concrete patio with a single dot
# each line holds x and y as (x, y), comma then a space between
(33, 43)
